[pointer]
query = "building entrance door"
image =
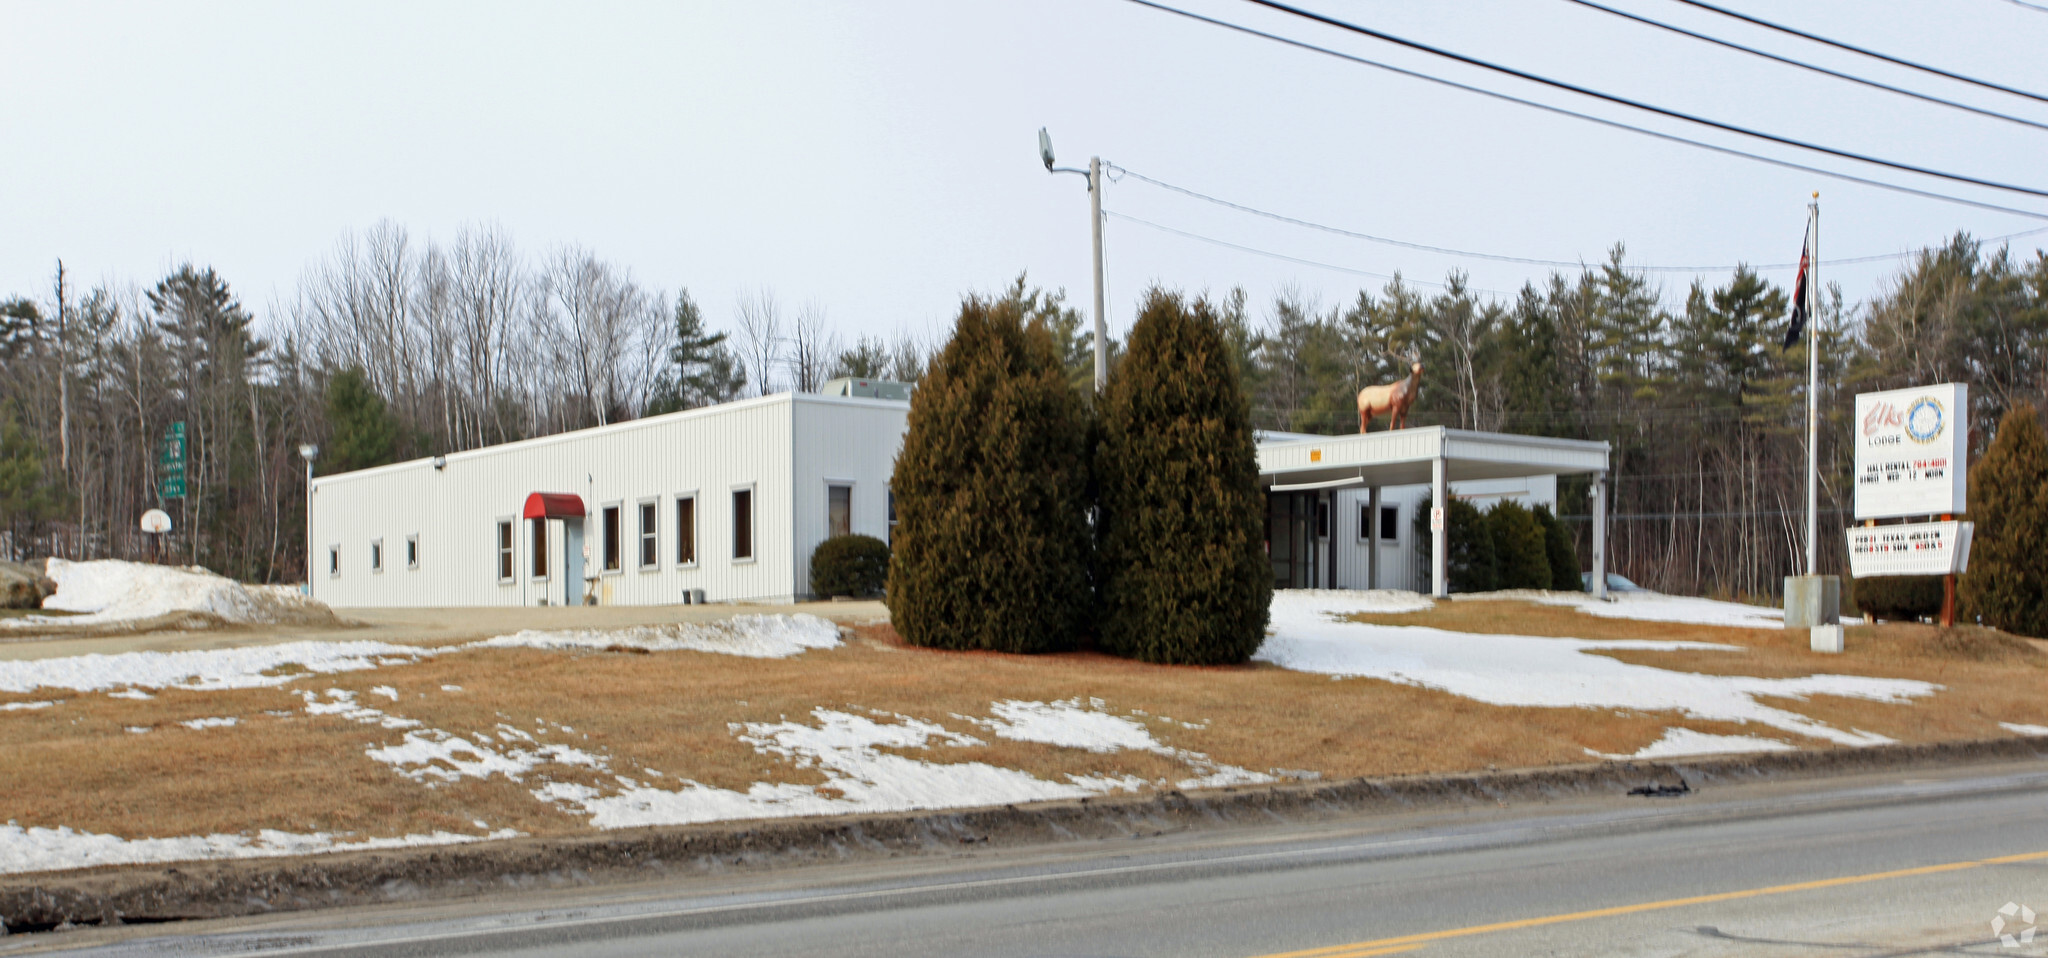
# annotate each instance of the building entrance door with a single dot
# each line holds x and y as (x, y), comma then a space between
(1291, 539)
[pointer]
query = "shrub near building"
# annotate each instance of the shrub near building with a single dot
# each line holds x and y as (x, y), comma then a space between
(2009, 503)
(1521, 556)
(1557, 546)
(854, 565)
(992, 543)
(1183, 575)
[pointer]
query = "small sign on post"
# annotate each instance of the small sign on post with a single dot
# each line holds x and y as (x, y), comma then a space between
(1436, 518)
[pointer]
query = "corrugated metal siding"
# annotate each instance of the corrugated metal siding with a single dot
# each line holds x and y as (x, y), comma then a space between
(709, 452)
(857, 444)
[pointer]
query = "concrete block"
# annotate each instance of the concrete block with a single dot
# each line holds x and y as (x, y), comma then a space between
(1826, 638)
(1812, 600)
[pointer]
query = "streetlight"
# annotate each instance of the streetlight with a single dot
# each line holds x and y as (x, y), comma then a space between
(309, 452)
(1094, 175)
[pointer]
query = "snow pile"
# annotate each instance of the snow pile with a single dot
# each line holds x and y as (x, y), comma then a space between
(752, 636)
(201, 669)
(48, 849)
(1520, 670)
(847, 749)
(2019, 729)
(1073, 724)
(110, 590)
(1684, 741)
(218, 721)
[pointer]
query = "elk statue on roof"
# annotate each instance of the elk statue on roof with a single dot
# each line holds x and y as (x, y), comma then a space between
(1392, 399)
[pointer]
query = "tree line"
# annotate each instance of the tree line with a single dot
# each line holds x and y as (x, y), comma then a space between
(393, 347)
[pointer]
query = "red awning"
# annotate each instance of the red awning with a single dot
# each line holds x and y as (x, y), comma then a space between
(553, 505)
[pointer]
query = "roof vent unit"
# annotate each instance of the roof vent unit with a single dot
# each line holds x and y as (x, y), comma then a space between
(867, 388)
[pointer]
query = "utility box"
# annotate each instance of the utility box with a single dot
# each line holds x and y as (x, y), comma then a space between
(866, 388)
(1812, 600)
(1825, 638)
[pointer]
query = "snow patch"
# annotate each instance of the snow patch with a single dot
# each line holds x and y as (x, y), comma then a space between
(752, 636)
(2019, 729)
(1522, 670)
(24, 706)
(111, 590)
(1685, 741)
(1655, 607)
(1076, 724)
(201, 670)
(46, 849)
(222, 721)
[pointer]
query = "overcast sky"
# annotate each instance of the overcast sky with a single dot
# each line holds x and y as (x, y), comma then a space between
(879, 159)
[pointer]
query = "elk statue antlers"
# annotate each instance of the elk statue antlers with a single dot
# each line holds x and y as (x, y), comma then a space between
(1393, 399)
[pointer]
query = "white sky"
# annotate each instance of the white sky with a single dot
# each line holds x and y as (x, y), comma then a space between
(879, 159)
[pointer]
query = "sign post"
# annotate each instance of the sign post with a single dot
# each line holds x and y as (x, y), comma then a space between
(1912, 460)
(171, 463)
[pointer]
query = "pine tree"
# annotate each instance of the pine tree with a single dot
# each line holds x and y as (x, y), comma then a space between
(2007, 585)
(1181, 564)
(702, 369)
(1521, 558)
(365, 432)
(992, 545)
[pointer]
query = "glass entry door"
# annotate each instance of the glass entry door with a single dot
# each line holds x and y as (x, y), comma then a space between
(1291, 540)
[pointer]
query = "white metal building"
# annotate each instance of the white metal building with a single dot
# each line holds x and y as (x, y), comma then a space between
(727, 503)
(728, 500)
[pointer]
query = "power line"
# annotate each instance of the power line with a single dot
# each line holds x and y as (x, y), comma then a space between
(1640, 105)
(1746, 18)
(1808, 66)
(1500, 257)
(1283, 256)
(1588, 117)
(2037, 8)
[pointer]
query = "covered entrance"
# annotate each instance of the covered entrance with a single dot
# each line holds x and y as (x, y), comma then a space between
(1301, 473)
(555, 561)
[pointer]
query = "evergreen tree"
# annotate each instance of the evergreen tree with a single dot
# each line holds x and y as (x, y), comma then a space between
(1558, 549)
(1470, 566)
(868, 359)
(1521, 557)
(991, 549)
(27, 493)
(1182, 568)
(2007, 585)
(702, 369)
(365, 433)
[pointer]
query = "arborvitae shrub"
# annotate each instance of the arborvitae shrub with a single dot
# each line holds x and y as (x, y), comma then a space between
(992, 540)
(2009, 552)
(1182, 571)
(1899, 598)
(1471, 566)
(1521, 558)
(1558, 548)
(854, 565)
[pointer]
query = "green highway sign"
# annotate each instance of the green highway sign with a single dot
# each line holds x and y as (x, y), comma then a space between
(173, 487)
(171, 463)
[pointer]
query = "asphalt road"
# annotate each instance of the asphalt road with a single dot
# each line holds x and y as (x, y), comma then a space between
(1889, 865)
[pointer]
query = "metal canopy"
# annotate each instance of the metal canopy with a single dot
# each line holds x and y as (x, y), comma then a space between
(1435, 456)
(1407, 457)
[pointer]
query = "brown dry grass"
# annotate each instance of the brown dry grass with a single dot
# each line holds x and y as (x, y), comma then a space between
(74, 764)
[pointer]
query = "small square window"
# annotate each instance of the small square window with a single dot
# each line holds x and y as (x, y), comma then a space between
(504, 550)
(540, 548)
(838, 510)
(1390, 523)
(686, 530)
(376, 555)
(614, 550)
(412, 551)
(650, 535)
(743, 523)
(333, 560)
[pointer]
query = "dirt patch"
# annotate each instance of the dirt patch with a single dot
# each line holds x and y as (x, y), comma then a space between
(223, 889)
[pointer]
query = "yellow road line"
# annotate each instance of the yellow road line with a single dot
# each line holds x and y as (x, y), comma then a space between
(1354, 949)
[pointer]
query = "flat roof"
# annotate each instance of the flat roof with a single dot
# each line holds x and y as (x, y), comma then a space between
(1404, 457)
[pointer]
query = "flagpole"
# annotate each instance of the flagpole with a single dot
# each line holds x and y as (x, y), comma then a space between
(1813, 394)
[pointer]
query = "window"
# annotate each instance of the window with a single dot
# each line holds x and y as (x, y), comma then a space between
(686, 530)
(613, 548)
(376, 555)
(1364, 521)
(891, 495)
(838, 510)
(540, 548)
(743, 523)
(1322, 520)
(650, 535)
(333, 560)
(1390, 523)
(412, 551)
(504, 550)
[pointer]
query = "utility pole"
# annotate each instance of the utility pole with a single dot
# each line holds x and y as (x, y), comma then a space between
(1094, 175)
(1095, 227)
(64, 380)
